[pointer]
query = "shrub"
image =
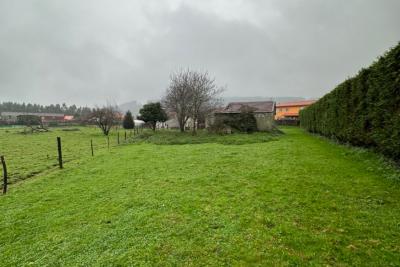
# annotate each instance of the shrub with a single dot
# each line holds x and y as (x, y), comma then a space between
(242, 122)
(239, 122)
(218, 126)
(363, 110)
(28, 120)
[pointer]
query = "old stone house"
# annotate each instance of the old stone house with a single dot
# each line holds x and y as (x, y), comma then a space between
(263, 111)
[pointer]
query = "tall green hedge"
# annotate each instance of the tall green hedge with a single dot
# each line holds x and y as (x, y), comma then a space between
(363, 110)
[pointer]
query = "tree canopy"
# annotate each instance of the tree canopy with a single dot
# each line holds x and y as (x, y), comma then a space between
(36, 108)
(152, 113)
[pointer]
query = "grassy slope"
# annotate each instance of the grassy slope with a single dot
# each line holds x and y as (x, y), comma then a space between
(299, 200)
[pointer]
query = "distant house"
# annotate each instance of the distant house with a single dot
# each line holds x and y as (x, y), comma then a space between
(12, 117)
(290, 110)
(172, 122)
(264, 112)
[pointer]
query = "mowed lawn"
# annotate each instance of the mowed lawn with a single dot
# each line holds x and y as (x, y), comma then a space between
(293, 200)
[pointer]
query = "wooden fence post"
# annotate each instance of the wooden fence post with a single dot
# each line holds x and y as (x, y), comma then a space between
(5, 177)
(118, 137)
(91, 146)
(60, 162)
(108, 142)
(125, 135)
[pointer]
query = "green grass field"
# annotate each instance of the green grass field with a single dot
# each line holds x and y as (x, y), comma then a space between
(30, 154)
(288, 200)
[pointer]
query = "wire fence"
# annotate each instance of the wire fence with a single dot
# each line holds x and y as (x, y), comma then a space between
(27, 155)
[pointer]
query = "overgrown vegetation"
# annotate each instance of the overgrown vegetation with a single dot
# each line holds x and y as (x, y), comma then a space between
(32, 124)
(364, 110)
(168, 137)
(242, 122)
(297, 201)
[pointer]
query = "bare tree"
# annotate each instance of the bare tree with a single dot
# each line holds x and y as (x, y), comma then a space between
(105, 118)
(191, 94)
(178, 97)
(204, 96)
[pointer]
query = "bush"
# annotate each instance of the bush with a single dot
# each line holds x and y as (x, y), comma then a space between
(242, 122)
(218, 126)
(28, 120)
(363, 110)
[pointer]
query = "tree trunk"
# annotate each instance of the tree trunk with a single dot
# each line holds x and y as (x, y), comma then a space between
(194, 126)
(181, 122)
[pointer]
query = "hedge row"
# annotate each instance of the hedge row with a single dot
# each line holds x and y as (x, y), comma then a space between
(363, 110)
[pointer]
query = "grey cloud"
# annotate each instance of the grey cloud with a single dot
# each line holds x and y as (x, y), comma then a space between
(90, 52)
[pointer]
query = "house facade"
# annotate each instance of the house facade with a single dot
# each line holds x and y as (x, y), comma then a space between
(263, 111)
(172, 122)
(291, 110)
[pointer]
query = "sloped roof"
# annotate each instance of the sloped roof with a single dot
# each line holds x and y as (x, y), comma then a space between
(296, 103)
(259, 107)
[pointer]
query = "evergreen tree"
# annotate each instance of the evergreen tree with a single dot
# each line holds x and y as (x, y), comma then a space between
(152, 113)
(363, 110)
(128, 122)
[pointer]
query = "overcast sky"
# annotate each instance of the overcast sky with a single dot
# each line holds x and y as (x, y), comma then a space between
(92, 51)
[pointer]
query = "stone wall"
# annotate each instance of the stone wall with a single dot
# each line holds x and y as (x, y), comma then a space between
(265, 121)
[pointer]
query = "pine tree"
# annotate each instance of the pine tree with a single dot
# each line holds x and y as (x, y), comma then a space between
(128, 122)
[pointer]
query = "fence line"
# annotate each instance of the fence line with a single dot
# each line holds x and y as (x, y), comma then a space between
(60, 162)
(5, 175)
(45, 157)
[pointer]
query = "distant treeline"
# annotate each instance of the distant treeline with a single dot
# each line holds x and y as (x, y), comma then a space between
(57, 108)
(363, 110)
